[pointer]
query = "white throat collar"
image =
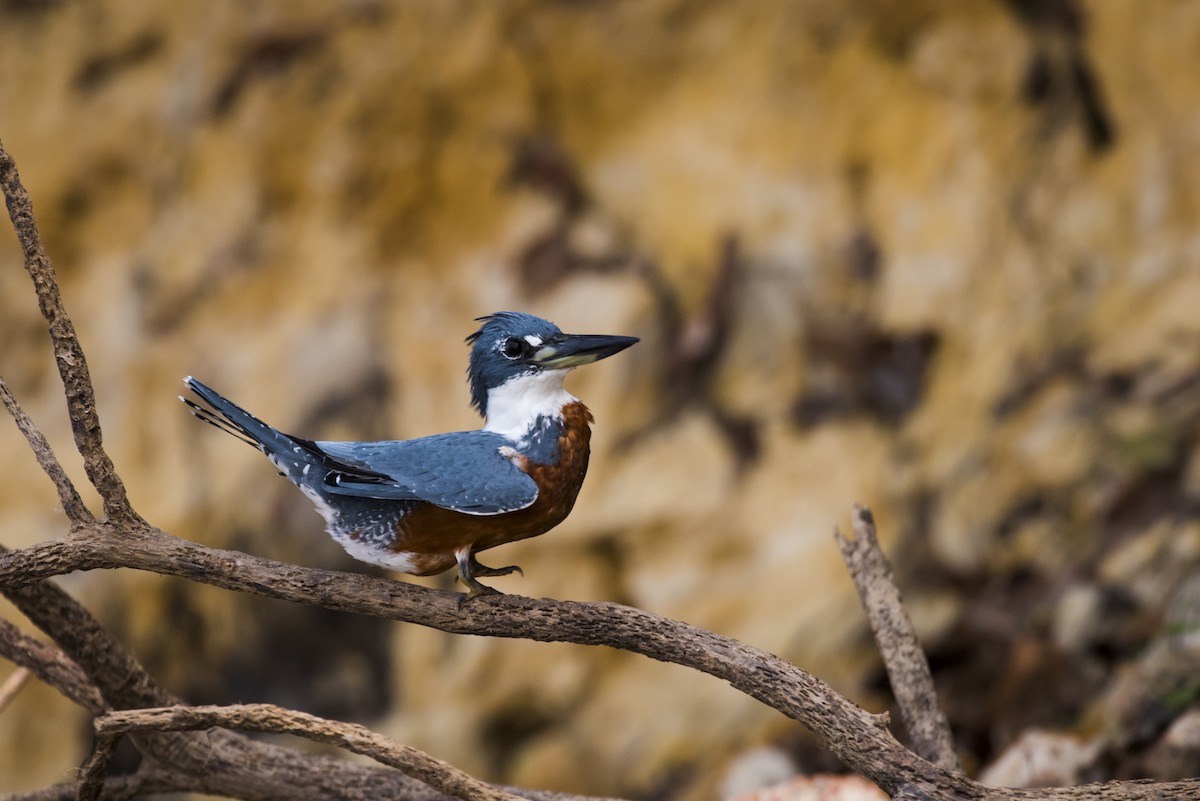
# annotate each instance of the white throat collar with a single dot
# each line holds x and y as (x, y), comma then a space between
(515, 406)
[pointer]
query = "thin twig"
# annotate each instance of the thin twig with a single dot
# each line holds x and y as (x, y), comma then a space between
(72, 504)
(271, 719)
(12, 686)
(907, 669)
(68, 354)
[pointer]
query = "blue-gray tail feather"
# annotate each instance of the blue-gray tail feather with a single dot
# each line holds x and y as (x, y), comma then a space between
(234, 420)
(294, 456)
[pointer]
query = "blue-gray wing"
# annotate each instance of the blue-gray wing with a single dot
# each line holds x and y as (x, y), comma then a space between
(464, 471)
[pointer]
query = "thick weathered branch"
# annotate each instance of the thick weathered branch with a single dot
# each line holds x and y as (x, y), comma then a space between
(858, 738)
(114, 788)
(72, 504)
(271, 719)
(218, 762)
(118, 678)
(907, 669)
(68, 354)
(50, 665)
(95, 769)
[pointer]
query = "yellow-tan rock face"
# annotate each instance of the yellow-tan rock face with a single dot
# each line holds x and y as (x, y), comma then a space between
(939, 258)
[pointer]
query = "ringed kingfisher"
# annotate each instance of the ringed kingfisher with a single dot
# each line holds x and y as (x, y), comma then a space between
(422, 506)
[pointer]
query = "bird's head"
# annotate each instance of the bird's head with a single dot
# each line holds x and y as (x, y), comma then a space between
(518, 360)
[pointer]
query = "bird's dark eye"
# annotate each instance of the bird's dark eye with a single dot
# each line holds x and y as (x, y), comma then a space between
(514, 348)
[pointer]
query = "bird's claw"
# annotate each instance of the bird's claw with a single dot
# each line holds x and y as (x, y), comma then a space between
(480, 590)
(469, 567)
(479, 569)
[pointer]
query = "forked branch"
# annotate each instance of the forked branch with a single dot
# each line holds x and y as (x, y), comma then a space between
(72, 504)
(68, 354)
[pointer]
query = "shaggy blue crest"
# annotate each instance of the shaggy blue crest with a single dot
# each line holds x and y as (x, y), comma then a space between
(501, 349)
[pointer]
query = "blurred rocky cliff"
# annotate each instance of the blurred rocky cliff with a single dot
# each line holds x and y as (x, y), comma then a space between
(936, 257)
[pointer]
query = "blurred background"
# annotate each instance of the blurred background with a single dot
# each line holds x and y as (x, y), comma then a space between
(939, 258)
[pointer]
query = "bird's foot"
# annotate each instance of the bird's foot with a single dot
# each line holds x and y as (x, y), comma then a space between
(478, 591)
(480, 569)
(469, 567)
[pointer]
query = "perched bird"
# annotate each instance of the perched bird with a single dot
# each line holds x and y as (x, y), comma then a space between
(420, 506)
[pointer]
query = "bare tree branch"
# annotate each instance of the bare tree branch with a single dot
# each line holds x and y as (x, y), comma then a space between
(907, 668)
(95, 769)
(272, 719)
(117, 677)
(115, 788)
(858, 738)
(157, 780)
(68, 354)
(50, 665)
(217, 762)
(72, 504)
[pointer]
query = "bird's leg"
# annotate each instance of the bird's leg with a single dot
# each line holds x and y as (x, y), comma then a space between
(466, 566)
(480, 569)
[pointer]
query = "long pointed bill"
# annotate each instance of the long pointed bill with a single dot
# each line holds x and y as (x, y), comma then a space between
(574, 350)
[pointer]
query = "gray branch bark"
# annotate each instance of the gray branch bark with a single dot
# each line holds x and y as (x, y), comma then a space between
(271, 719)
(903, 658)
(68, 354)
